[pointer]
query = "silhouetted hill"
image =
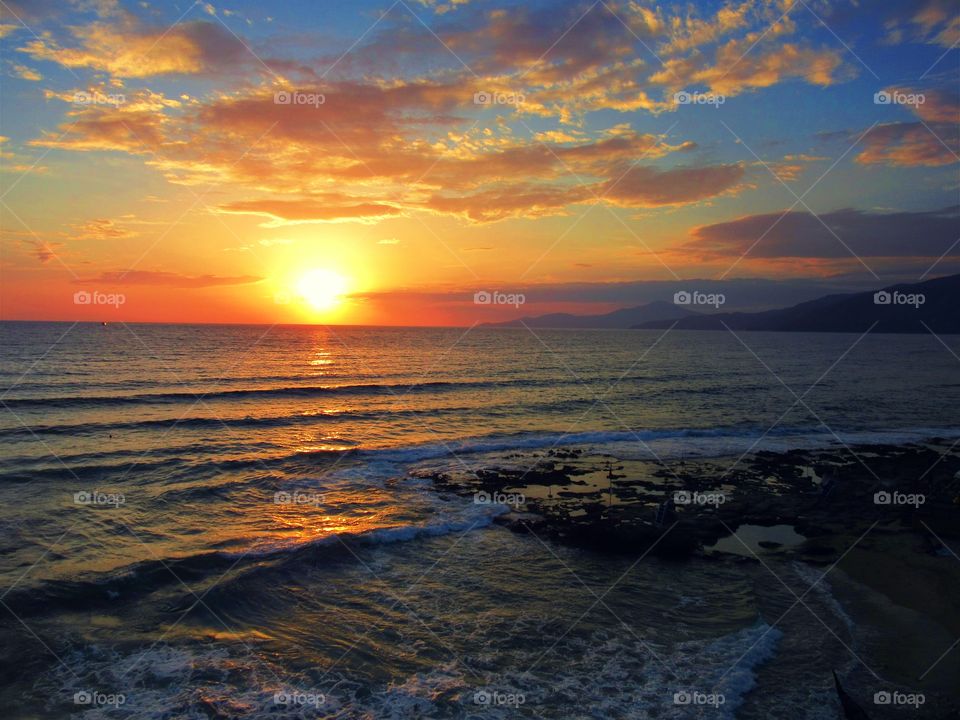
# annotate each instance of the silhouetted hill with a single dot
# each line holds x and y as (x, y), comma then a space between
(934, 303)
(623, 318)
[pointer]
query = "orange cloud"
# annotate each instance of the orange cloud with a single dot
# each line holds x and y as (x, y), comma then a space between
(128, 50)
(326, 209)
(910, 144)
(649, 187)
(520, 200)
(101, 229)
(738, 68)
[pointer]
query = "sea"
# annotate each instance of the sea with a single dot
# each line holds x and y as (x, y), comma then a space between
(232, 521)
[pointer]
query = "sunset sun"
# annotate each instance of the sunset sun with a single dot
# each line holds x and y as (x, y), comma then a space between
(321, 288)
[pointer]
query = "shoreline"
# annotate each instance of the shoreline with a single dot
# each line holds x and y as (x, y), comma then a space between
(880, 521)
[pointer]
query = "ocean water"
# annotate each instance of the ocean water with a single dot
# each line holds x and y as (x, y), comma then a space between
(220, 521)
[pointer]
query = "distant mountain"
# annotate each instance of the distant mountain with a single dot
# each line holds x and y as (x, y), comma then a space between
(623, 318)
(895, 309)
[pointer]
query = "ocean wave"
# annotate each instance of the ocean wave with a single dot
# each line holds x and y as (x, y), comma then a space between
(134, 582)
(663, 444)
(287, 392)
(613, 677)
(263, 421)
(675, 442)
(605, 675)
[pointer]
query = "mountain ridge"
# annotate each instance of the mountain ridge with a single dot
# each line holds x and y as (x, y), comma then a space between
(928, 306)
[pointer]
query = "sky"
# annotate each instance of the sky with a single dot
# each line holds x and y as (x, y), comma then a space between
(390, 163)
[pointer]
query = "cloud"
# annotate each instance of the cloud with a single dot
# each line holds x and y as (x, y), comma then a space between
(25, 73)
(930, 141)
(368, 135)
(737, 68)
(649, 187)
(935, 22)
(329, 208)
(31, 11)
(167, 279)
(569, 59)
(910, 144)
(801, 235)
(44, 251)
(134, 125)
(517, 200)
(130, 50)
(417, 137)
(939, 105)
(101, 229)
(440, 7)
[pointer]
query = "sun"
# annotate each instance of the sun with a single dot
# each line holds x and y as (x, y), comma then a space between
(321, 289)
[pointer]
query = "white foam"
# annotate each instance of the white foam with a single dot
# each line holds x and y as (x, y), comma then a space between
(606, 675)
(666, 443)
(823, 589)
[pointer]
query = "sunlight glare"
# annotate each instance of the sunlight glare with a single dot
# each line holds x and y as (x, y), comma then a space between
(321, 289)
